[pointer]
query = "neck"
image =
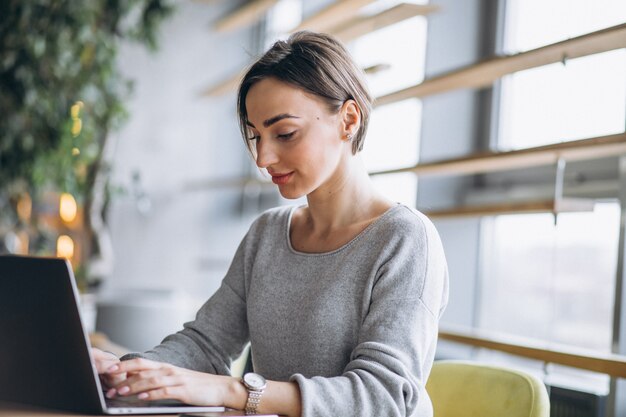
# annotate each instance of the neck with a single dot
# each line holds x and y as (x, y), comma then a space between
(348, 197)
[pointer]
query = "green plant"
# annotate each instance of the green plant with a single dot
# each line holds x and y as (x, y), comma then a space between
(61, 93)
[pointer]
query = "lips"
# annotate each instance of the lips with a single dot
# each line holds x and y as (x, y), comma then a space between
(280, 179)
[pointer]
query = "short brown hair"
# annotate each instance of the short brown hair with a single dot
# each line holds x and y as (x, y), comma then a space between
(318, 64)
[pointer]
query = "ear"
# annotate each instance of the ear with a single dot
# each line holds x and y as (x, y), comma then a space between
(350, 119)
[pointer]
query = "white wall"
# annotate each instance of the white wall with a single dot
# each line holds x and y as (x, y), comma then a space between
(182, 246)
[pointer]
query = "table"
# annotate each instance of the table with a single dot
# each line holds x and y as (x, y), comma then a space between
(14, 410)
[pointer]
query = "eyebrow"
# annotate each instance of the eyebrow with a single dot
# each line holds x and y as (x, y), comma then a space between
(272, 120)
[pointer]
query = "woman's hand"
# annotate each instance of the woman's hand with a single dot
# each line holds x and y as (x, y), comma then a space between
(103, 361)
(152, 380)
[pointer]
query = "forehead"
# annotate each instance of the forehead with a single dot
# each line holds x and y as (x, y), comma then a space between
(270, 97)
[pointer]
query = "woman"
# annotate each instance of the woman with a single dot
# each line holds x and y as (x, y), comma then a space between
(339, 298)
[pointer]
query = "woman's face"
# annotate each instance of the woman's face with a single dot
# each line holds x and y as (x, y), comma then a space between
(296, 137)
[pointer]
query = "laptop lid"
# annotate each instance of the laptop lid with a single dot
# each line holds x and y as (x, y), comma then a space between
(45, 356)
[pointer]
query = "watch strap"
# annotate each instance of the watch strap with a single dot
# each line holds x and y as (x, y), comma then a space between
(254, 398)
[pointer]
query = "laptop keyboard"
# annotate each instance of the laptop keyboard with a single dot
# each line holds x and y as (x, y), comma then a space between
(135, 402)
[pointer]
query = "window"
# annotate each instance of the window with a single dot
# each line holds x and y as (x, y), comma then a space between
(531, 24)
(584, 97)
(547, 281)
(565, 295)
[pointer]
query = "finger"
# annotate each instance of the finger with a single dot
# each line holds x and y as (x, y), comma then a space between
(134, 365)
(147, 384)
(103, 360)
(111, 393)
(102, 355)
(133, 378)
(95, 352)
(103, 365)
(164, 393)
(111, 381)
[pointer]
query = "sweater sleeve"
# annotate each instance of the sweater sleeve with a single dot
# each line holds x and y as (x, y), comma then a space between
(219, 332)
(389, 366)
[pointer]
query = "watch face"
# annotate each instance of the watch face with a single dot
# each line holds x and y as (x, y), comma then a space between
(255, 381)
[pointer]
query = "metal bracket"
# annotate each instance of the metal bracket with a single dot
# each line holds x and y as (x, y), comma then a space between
(558, 187)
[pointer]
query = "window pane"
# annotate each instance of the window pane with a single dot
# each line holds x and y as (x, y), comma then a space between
(393, 136)
(401, 188)
(584, 98)
(389, 46)
(531, 24)
(566, 293)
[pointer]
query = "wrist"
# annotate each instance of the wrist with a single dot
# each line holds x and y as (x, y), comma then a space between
(255, 384)
(236, 394)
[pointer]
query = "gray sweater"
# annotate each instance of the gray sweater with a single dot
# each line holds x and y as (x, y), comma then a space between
(355, 328)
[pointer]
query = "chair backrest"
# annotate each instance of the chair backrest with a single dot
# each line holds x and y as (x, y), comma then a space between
(470, 389)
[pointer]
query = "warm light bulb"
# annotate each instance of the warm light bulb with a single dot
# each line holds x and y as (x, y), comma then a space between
(24, 241)
(67, 207)
(77, 126)
(25, 207)
(75, 109)
(65, 247)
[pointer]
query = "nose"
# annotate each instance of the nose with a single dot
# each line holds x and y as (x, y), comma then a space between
(265, 154)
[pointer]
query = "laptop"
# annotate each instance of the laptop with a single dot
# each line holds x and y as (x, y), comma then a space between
(45, 355)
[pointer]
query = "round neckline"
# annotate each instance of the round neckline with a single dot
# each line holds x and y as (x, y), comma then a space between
(341, 248)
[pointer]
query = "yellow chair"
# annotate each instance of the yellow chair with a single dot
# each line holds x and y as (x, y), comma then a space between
(470, 389)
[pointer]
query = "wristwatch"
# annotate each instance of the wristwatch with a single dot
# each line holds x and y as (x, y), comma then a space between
(255, 384)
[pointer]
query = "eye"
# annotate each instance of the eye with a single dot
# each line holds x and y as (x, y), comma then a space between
(255, 137)
(286, 136)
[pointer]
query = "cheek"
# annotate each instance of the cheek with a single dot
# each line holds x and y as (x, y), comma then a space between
(318, 151)
(318, 160)
(305, 157)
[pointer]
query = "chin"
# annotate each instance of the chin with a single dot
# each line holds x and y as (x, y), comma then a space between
(290, 194)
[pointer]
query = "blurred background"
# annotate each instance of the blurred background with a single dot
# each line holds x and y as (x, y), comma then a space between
(503, 120)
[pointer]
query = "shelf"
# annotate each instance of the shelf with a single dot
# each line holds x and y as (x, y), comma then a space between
(243, 16)
(230, 84)
(598, 147)
(564, 205)
(226, 86)
(485, 73)
(330, 19)
(332, 16)
(606, 363)
(475, 76)
(362, 25)
(376, 68)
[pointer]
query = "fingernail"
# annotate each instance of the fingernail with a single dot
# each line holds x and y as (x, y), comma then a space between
(123, 390)
(143, 396)
(111, 393)
(113, 368)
